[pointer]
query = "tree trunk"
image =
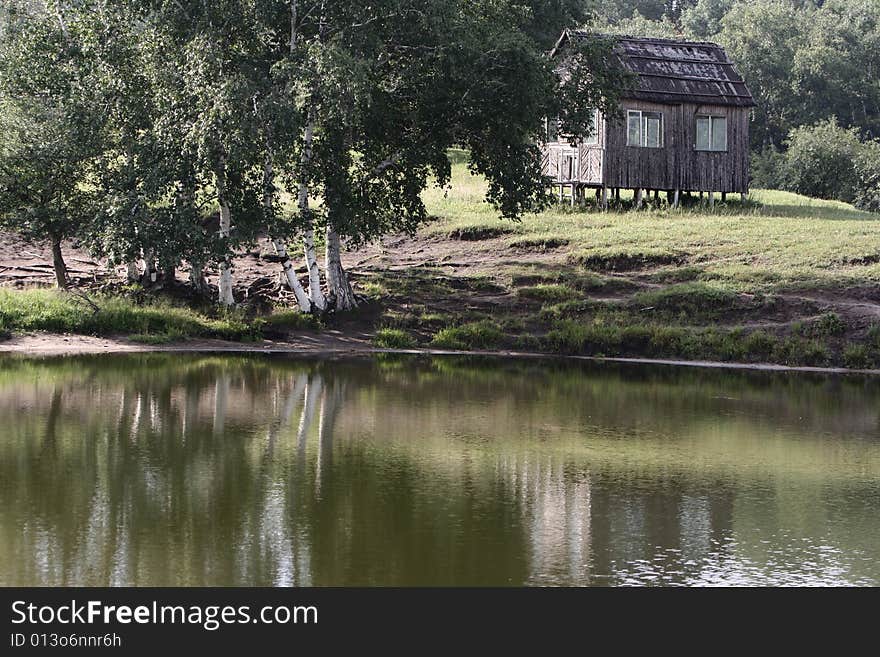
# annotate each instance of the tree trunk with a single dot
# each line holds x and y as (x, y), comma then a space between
(315, 293)
(132, 273)
(224, 285)
(61, 278)
(302, 298)
(150, 274)
(198, 280)
(290, 278)
(337, 279)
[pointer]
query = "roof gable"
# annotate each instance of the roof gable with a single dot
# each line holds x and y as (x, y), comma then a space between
(673, 71)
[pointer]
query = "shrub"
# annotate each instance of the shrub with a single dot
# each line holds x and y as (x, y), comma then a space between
(820, 161)
(392, 338)
(857, 357)
(827, 324)
(867, 195)
(693, 300)
(476, 335)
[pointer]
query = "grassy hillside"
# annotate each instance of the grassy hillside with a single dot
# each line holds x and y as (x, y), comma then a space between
(782, 241)
(781, 278)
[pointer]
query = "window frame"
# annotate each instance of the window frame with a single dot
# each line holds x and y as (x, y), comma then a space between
(643, 128)
(712, 118)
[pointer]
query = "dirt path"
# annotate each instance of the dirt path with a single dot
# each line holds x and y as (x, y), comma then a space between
(51, 344)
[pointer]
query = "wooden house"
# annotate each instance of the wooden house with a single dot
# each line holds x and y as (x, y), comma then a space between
(682, 127)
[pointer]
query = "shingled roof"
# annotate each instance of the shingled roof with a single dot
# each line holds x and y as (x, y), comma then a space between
(674, 71)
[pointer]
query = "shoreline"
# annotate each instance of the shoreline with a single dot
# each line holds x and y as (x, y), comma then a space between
(323, 344)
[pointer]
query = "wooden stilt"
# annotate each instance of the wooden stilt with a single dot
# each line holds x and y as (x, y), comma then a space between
(723, 197)
(604, 198)
(573, 192)
(675, 199)
(638, 197)
(744, 197)
(711, 200)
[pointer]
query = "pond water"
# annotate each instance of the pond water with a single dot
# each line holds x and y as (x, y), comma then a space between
(204, 470)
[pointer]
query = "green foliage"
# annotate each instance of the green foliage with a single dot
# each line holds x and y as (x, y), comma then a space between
(767, 168)
(391, 338)
(688, 300)
(867, 163)
(857, 356)
(820, 161)
(548, 293)
(826, 325)
(485, 334)
(62, 312)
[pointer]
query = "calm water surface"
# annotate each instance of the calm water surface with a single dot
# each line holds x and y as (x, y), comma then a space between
(189, 470)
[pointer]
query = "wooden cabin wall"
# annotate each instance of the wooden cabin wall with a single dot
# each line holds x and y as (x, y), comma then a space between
(677, 165)
(634, 166)
(713, 171)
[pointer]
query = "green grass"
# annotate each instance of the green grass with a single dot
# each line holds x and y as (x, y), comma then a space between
(549, 293)
(157, 321)
(686, 300)
(485, 334)
(782, 241)
(392, 338)
(599, 338)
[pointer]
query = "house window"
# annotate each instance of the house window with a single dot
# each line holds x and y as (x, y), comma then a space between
(593, 136)
(711, 133)
(644, 129)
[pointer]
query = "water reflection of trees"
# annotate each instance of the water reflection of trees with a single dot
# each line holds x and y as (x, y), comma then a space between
(210, 471)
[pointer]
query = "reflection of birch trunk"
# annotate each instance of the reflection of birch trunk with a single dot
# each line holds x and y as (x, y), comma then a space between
(326, 421)
(190, 409)
(221, 398)
(313, 392)
(138, 416)
(284, 417)
(52, 417)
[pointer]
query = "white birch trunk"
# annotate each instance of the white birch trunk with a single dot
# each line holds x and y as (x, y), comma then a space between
(150, 272)
(337, 279)
(224, 285)
(302, 299)
(315, 293)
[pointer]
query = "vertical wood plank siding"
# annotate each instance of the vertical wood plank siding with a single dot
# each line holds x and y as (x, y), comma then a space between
(678, 165)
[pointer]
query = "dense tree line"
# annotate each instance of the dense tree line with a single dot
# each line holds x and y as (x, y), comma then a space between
(814, 69)
(175, 133)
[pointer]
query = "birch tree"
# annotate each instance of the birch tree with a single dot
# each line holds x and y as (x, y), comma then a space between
(48, 129)
(391, 85)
